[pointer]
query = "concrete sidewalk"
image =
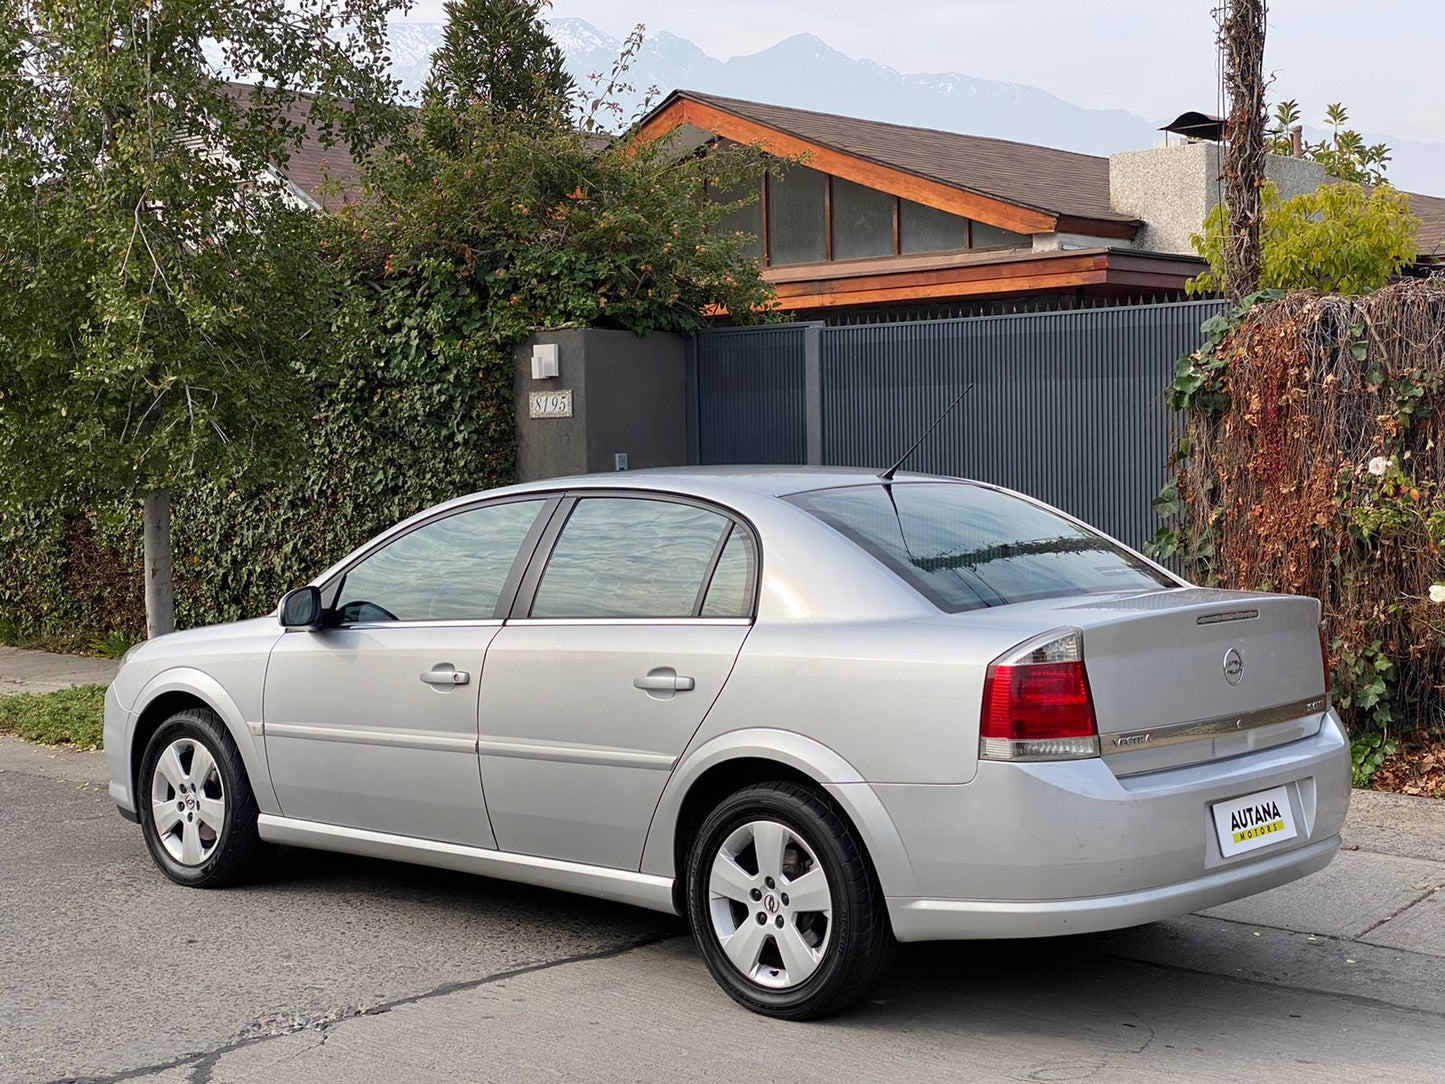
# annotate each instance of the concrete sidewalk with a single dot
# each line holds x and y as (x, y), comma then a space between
(1385, 888)
(23, 671)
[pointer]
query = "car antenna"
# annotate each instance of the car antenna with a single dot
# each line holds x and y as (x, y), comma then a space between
(887, 475)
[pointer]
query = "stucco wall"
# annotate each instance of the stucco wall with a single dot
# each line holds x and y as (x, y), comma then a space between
(1172, 189)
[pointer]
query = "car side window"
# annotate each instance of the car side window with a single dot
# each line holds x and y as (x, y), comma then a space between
(629, 557)
(730, 593)
(450, 569)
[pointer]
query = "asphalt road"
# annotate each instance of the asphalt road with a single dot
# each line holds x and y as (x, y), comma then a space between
(335, 968)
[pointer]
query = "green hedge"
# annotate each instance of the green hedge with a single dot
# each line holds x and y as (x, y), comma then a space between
(390, 438)
(476, 229)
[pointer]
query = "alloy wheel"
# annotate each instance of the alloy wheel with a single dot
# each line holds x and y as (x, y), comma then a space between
(188, 801)
(770, 904)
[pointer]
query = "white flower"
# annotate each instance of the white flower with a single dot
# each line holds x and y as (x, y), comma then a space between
(1379, 465)
(1437, 592)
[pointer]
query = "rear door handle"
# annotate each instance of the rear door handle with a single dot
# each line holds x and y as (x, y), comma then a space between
(664, 679)
(446, 675)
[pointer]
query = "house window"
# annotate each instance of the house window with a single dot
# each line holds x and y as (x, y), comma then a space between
(862, 221)
(986, 236)
(746, 219)
(797, 216)
(805, 217)
(927, 229)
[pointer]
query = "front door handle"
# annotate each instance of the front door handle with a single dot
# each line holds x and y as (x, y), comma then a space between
(446, 675)
(664, 679)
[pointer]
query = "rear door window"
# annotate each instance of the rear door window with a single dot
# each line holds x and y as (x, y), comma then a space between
(965, 546)
(634, 557)
(730, 593)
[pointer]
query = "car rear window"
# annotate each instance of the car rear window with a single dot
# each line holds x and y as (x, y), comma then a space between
(966, 546)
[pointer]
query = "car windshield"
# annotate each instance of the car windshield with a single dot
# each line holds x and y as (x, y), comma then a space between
(966, 546)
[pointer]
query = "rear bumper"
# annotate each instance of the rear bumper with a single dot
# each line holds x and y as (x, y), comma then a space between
(1031, 850)
(942, 920)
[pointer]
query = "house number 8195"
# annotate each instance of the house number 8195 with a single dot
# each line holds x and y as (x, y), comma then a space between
(550, 404)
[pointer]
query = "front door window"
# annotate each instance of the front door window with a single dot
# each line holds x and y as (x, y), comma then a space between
(448, 570)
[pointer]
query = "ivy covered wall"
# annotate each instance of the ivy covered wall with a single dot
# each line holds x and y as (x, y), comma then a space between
(393, 435)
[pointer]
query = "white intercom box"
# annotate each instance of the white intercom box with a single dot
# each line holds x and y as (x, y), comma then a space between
(544, 361)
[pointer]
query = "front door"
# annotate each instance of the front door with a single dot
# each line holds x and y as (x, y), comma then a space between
(371, 722)
(623, 641)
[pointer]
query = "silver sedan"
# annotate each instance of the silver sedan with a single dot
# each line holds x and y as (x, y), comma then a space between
(815, 711)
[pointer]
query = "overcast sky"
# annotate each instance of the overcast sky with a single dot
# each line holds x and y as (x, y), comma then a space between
(1152, 57)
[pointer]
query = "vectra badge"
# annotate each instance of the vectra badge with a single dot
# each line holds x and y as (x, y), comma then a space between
(1233, 666)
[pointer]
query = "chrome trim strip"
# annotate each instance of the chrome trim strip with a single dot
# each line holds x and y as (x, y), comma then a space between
(439, 623)
(437, 743)
(1155, 737)
(1232, 615)
(622, 885)
(656, 621)
(575, 754)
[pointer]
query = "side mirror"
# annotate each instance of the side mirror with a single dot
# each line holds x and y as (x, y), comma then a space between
(301, 608)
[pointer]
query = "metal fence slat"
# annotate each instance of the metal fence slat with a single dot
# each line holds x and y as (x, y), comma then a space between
(1068, 406)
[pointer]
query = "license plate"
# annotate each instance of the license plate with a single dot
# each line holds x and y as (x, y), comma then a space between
(1254, 821)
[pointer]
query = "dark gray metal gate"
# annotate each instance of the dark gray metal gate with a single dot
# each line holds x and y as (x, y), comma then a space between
(1067, 406)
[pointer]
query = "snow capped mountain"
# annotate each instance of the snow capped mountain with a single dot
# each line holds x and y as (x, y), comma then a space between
(577, 36)
(805, 72)
(412, 45)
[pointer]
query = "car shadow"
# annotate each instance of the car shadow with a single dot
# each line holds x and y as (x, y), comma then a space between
(1109, 994)
(1084, 1006)
(299, 872)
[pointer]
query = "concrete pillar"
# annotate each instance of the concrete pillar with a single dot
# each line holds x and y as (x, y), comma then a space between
(627, 395)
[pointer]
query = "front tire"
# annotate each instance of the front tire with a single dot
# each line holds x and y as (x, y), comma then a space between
(784, 904)
(197, 811)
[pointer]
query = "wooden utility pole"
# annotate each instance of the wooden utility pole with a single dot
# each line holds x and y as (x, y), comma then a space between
(1241, 38)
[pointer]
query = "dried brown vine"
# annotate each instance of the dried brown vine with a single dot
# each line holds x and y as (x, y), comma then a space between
(1322, 474)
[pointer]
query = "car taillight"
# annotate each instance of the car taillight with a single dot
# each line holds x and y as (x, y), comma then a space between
(1037, 704)
(1325, 663)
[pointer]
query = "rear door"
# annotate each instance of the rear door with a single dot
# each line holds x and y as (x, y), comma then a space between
(624, 632)
(371, 722)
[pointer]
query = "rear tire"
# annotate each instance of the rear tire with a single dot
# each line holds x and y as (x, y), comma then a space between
(784, 904)
(197, 811)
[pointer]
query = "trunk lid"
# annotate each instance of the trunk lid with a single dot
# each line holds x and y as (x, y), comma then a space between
(1190, 675)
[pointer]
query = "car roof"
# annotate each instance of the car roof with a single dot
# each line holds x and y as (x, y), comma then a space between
(769, 481)
(751, 491)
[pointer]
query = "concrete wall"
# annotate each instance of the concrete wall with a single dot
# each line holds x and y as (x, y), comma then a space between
(629, 395)
(1072, 242)
(1174, 188)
